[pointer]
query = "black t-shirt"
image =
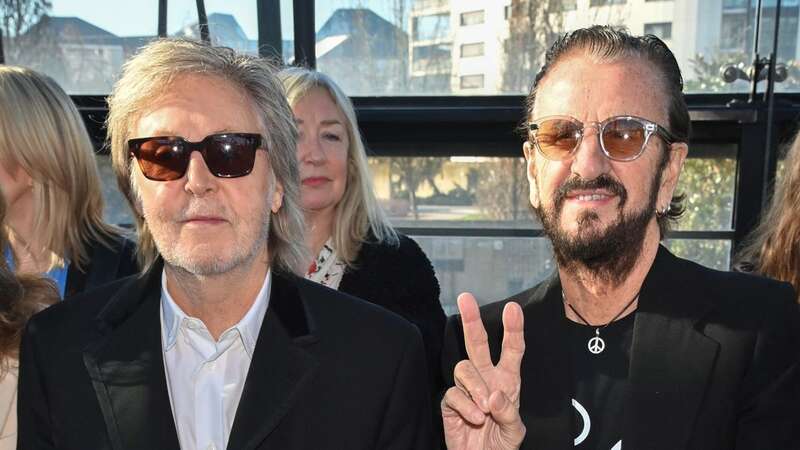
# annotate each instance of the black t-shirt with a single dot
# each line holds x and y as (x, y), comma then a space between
(600, 381)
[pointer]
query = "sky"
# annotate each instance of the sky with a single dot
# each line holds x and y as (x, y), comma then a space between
(140, 17)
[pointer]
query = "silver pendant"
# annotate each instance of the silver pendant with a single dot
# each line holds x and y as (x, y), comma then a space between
(596, 344)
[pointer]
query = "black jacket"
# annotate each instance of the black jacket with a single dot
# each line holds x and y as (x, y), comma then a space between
(328, 371)
(401, 279)
(715, 362)
(107, 262)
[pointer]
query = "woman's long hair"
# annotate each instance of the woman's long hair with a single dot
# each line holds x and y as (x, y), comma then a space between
(773, 248)
(42, 132)
(359, 216)
(20, 297)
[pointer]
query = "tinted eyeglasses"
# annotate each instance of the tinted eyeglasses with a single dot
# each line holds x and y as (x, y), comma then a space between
(166, 158)
(622, 138)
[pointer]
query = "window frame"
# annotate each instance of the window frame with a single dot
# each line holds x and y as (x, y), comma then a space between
(468, 125)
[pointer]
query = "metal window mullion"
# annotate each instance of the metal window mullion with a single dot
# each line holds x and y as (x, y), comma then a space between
(202, 21)
(304, 34)
(162, 18)
(270, 39)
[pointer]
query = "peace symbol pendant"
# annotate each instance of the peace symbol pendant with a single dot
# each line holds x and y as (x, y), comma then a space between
(596, 344)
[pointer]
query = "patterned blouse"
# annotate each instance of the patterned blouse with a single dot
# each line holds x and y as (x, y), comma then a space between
(327, 269)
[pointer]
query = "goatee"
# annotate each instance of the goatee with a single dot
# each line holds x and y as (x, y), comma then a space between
(608, 254)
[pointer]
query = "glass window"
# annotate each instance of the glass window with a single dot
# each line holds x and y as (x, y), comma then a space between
(432, 58)
(83, 45)
(516, 37)
(607, 2)
(492, 268)
(117, 210)
(470, 50)
(434, 26)
(708, 183)
(713, 253)
(453, 192)
(662, 30)
(472, 18)
(472, 81)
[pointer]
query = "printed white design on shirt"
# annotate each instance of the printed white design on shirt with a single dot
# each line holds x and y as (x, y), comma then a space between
(587, 422)
(587, 426)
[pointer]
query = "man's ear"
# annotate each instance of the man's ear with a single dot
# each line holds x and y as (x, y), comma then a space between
(277, 197)
(669, 179)
(530, 158)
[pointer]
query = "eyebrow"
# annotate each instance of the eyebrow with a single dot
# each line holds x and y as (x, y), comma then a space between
(324, 122)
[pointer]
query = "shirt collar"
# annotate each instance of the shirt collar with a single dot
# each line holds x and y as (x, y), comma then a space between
(249, 326)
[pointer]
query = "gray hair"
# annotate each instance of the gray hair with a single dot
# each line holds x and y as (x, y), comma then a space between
(149, 74)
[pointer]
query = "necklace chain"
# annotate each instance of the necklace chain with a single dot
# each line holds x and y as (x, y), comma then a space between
(600, 327)
(596, 345)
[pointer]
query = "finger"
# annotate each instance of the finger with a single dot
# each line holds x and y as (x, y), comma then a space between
(456, 403)
(472, 383)
(513, 338)
(475, 339)
(506, 414)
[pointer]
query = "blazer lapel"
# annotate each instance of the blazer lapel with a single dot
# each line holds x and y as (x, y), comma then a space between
(125, 364)
(671, 360)
(280, 368)
(546, 387)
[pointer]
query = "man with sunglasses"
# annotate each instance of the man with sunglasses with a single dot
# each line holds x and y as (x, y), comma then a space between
(625, 343)
(217, 344)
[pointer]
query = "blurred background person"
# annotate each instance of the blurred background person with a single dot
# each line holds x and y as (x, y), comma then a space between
(353, 245)
(20, 297)
(773, 248)
(51, 185)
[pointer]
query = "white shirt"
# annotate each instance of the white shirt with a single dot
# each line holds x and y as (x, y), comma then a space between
(205, 378)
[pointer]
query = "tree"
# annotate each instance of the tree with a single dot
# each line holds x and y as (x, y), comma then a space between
(533, 25)
(502, 190)
(17, 17)
(708, 184)
(408, 174)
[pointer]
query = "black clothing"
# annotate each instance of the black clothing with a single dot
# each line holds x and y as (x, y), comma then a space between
(599, 381)
(107, 262)
(715, 362)
(401, 279)
(328, 371)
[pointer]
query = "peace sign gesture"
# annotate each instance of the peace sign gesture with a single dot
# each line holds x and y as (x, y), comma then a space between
(482, 410)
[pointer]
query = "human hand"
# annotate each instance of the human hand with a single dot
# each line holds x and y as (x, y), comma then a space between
(481, 412)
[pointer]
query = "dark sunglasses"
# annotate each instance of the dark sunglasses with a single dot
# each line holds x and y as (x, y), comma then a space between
(622, 138)
(166, 158)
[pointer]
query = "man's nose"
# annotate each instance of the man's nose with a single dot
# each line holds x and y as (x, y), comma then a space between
(199, 179)
(589, 161)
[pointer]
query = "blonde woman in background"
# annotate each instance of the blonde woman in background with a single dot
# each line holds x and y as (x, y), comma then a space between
(354, 248)
(51, 185)
(773, 248)
(20, 297)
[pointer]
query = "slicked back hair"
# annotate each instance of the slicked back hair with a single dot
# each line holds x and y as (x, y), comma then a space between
(609, 44)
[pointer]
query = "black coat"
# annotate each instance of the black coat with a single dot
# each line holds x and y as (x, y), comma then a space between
(715, 362)
(328, 371)
(107, 262)
(401, 279)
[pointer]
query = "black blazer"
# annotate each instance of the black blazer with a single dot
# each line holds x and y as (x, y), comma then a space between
(107, 262)
(715, 362)
(329, 371)
(401, 279)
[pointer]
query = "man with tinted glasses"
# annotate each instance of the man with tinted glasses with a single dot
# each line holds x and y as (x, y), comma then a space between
(625, 343)
(217, 344)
